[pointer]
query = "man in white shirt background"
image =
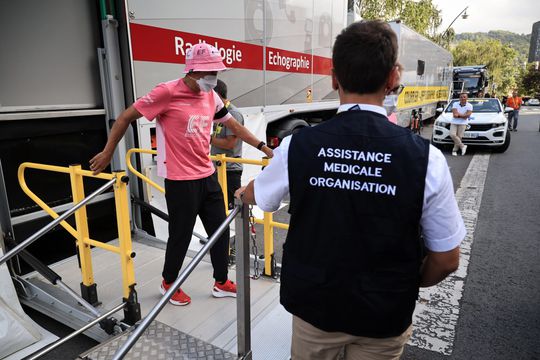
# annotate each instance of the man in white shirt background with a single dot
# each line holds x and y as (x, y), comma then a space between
(461, 110)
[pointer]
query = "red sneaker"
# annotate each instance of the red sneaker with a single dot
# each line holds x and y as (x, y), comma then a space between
(228, 289)
(179, 298)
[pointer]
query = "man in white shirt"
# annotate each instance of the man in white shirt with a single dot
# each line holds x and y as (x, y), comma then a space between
(461, 110)
(373, 212)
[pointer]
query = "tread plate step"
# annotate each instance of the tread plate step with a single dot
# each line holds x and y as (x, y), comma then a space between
(159, 341)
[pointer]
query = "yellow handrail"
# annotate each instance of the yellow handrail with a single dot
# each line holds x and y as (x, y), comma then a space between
(222, 160)
(80, 232)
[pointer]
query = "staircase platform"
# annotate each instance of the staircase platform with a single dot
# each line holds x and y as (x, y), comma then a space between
(209, 322)
(159, 341)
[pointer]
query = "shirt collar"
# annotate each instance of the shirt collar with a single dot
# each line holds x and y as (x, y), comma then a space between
(364, 107)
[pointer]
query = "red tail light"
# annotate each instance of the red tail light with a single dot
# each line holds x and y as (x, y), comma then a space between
(273, 141)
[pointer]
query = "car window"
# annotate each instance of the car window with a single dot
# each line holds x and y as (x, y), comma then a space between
(479, 105)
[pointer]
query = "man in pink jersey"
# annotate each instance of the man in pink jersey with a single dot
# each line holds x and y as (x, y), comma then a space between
(185, 109)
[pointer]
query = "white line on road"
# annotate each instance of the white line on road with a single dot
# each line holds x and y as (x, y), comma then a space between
(437, 309)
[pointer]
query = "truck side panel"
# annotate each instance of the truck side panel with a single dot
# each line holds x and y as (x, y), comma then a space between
(51, 112)
(49, 55)
(422, 89)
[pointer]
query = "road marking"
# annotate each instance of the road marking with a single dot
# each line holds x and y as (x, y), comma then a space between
(437, 309)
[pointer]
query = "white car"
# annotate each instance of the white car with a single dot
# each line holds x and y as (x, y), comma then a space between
(533, 102)
(487, 125)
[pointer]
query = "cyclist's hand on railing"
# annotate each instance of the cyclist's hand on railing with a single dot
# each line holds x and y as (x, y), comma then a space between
(99, 162)
(239, 192)
(267, 151)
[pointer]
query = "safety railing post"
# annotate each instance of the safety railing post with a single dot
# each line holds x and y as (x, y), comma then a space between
(88, 287)
(268, 242)
(243, 312)
(132, 310)
(222, 178)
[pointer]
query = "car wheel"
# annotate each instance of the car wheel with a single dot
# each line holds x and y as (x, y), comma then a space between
(503, 147)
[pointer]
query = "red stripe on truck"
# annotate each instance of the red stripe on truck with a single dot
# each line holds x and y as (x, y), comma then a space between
(154, 44)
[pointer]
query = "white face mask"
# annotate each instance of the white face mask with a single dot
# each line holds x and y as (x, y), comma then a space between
(390, 103)
(207, 82)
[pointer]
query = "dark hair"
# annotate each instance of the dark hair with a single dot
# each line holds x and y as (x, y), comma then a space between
(363, 56)
(221, 89)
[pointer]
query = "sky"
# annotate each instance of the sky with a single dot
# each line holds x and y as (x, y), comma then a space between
(512, 15)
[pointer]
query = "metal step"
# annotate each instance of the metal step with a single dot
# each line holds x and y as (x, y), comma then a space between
(159, 341)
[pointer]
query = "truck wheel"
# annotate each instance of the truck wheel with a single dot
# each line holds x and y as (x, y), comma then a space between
(503, 147)
(297, 129)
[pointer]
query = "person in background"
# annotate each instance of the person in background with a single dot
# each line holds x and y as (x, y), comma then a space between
(367, 197)
(224, 141)
(184, 110)
(515, 102)
(461, 111)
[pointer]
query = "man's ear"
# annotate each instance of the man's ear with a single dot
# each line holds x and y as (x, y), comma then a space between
(394, 78)
(335, 83)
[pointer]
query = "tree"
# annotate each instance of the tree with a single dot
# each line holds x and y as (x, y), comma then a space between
(422, 16)
(530, 83)
(501, 60)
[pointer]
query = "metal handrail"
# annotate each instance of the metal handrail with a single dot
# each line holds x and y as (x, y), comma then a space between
(77, 332)
(136, 334)
(54, 223)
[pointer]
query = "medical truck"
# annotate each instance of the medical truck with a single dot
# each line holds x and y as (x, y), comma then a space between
(69, 68)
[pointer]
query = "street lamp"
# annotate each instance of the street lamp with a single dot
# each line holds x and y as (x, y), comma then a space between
(463, 15)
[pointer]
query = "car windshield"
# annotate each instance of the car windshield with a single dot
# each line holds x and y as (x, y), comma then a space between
(479, 105)
(470, 82)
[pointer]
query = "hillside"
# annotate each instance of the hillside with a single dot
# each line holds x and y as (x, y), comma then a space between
(520, 42)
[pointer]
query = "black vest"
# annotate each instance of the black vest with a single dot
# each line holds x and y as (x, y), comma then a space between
(352, 257)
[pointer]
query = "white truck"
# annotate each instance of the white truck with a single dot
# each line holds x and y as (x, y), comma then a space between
(427, 74)
(59, 94)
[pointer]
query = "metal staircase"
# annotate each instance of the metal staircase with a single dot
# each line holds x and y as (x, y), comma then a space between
(159, 341)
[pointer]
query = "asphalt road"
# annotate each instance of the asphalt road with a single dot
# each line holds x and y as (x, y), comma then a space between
(499, 314)
(500, 309)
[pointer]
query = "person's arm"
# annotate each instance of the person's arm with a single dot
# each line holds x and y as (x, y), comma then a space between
(245, 135)
(455, 113)
(442, 225)
(467, 114)
(247, 193)
(228, 142)
(437, 266)
(99, 162)
(272, 185)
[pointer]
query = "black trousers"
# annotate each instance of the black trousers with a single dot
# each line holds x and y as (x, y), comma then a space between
(234, 178)
(185, 200)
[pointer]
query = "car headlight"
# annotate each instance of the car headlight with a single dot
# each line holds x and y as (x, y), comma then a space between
(442, 123)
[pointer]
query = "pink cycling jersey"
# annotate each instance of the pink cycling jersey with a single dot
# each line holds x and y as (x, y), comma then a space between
(183, 127)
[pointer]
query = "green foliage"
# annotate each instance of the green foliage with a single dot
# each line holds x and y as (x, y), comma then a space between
(501, 60)
(422, 16)
(520, 42)
(530, 82)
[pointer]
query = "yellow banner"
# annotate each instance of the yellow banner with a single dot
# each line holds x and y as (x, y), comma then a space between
(421, 95)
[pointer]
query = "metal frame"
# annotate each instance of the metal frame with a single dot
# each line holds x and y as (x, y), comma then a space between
(119, 182)
(153, 313)
(56, 304)
(75, 333)
(46, 302)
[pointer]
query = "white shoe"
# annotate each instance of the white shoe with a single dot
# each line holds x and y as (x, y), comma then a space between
(464, 150)
(454, 153)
